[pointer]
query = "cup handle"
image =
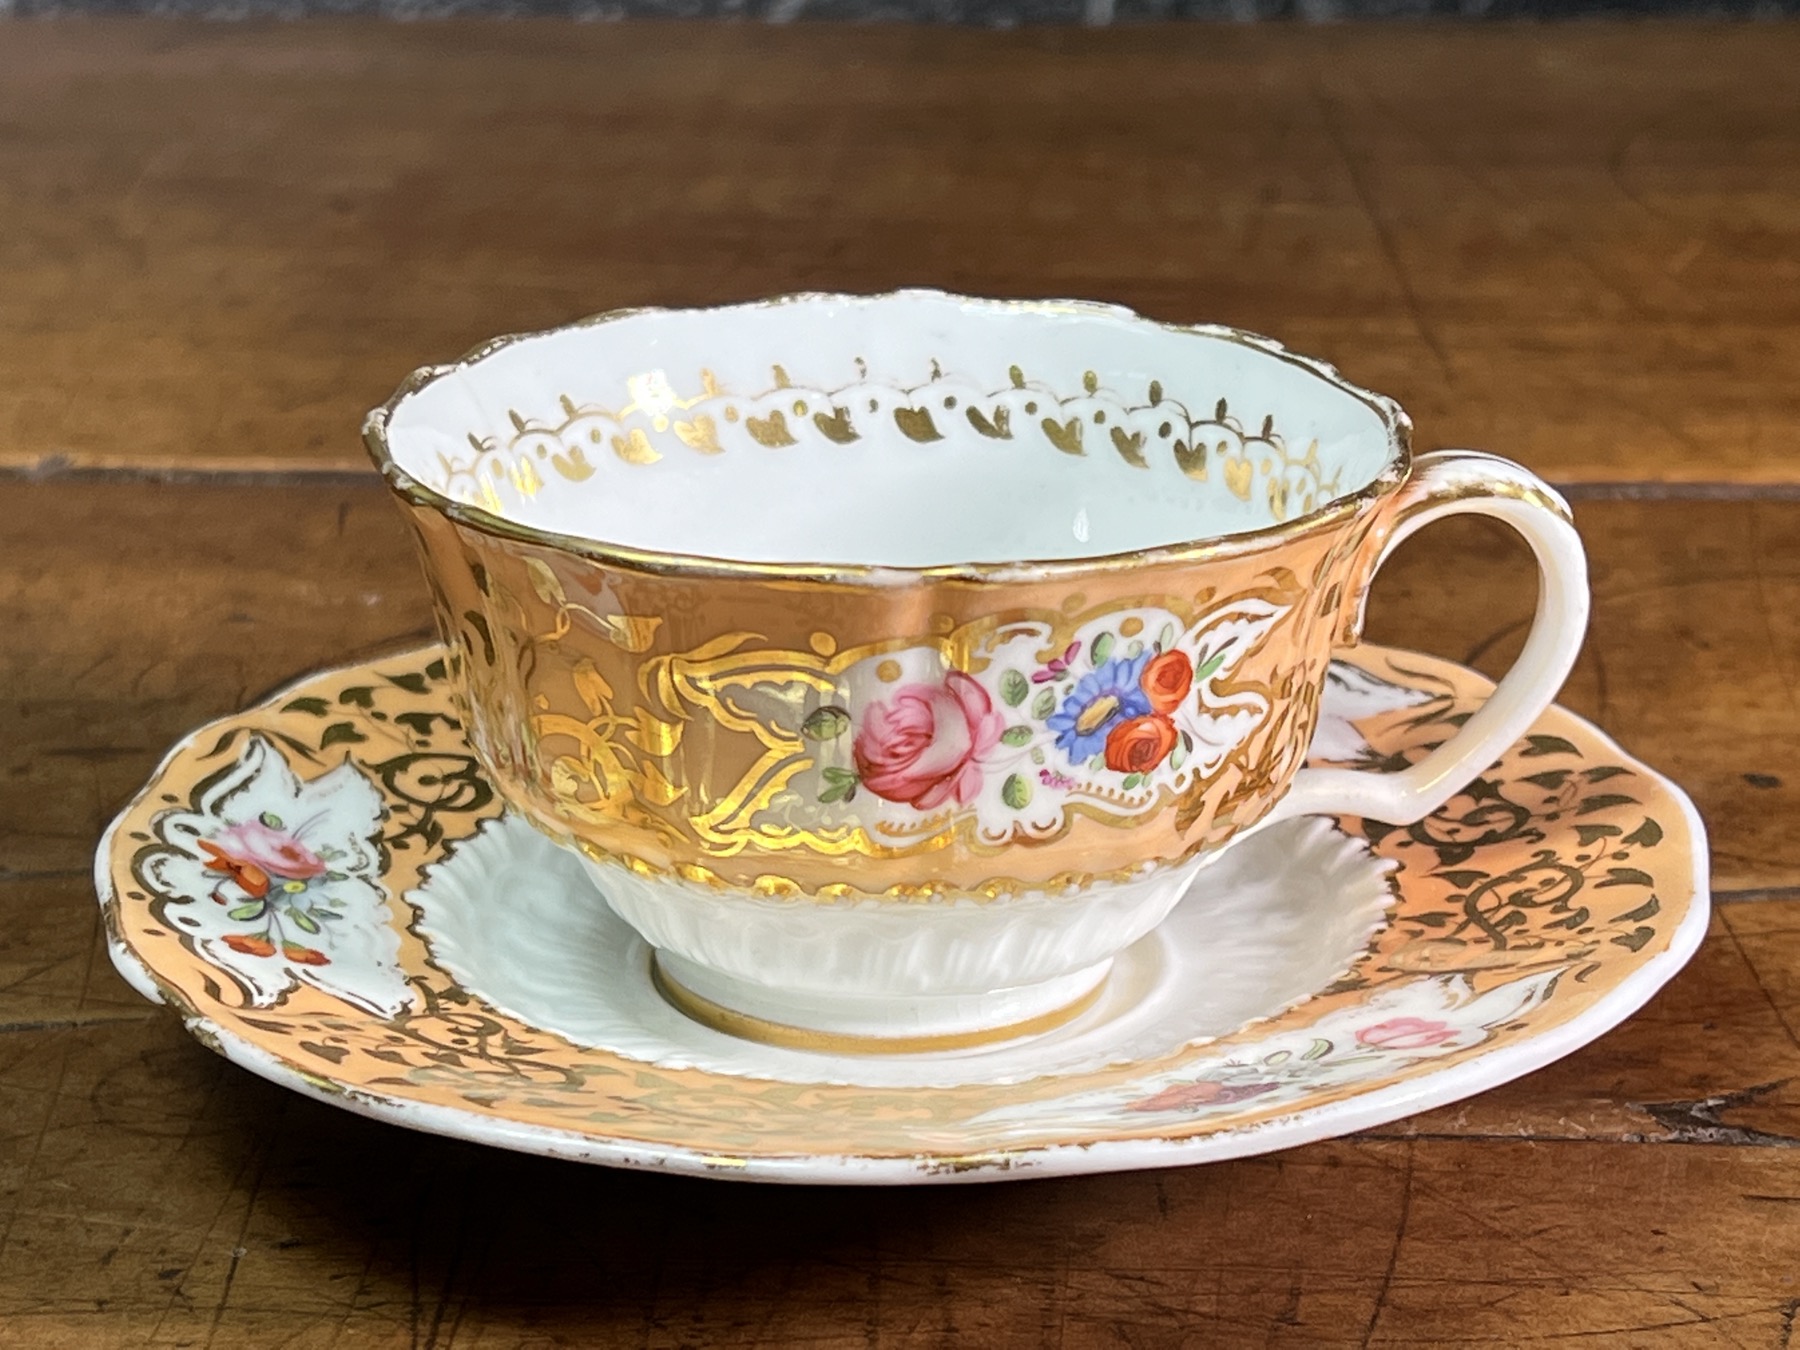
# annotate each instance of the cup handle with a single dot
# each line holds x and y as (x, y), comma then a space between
(1447, 483)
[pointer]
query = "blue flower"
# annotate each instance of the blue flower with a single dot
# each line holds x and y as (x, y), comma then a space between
(1098, 703)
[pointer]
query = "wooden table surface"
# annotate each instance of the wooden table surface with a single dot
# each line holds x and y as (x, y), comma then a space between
(1578, 246)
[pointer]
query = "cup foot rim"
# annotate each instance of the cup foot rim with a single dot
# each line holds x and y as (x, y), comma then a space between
(752, 1026)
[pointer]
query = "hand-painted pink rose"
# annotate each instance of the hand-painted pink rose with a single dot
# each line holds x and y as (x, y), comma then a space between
(923, 745)
(1206, 1092)
(1406, 1033)
(275, 851)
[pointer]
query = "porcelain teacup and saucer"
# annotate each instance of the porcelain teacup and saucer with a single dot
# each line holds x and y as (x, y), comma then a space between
(879, 738)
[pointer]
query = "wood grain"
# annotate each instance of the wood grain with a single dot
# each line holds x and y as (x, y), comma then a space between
(1579, 246)
(172, 1199)
(136, 1165)
(1576, 246)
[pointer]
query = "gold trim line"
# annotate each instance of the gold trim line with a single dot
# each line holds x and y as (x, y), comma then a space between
(749, 1027)
(1393, 474)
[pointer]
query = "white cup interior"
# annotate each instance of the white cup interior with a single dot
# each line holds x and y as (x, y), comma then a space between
(908, 430)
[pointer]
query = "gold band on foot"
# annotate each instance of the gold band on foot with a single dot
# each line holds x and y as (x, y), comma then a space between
(753, 1028)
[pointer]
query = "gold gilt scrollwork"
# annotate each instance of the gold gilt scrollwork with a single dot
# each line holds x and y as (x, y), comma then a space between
(616, 760)
(1096, 420)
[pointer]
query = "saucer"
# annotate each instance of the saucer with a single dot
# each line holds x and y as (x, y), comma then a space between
(331, 895)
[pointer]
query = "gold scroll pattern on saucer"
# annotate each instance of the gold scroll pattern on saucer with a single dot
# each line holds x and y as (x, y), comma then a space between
(1562, 871)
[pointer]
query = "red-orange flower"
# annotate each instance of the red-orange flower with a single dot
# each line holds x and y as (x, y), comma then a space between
(249, 944)
(1139, 745)
(306, 956)
(252, 878)
(1166, 681)
(276, 852)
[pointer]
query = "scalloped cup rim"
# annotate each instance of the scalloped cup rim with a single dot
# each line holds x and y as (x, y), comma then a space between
(1386, 481)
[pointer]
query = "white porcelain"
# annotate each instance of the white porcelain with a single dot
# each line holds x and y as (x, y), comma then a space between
(1275, 922)
(686, 394)
(897, 662)
(330, 893)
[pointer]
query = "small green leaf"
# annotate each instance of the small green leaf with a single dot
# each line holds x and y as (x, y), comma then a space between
(1602, 801)
(1134, 648)
(1603, 772)
(1211, 668)
(1020, 735)
(336, 876)
(1649, 834)
(1549, 745)
(315, 706)
(1317, 1050)
(249, 911)
(435, 671)
(1131, 781)
(340, 732)
(1044, 704)
(1037, 756)
(270, 819)
(825, 724)
(1279, 1057)
(1625, 876)
(1589, 835)
(479, 623)
(1177, 757)
(840, 784)
(1552, 778)
(1648, 910)
(419, 722)
(303, 921)
(1013, 688)
(1636, 939)
(1464, 880)
(1102, 648)
(361, 696)
(1016, 791)
(1097, 763)
(1165, 638)
(412, 682)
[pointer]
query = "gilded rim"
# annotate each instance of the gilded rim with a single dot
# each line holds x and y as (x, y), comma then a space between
(214, 1024)
(1347, 506)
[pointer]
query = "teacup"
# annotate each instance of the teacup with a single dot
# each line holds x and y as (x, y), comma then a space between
(895, 662)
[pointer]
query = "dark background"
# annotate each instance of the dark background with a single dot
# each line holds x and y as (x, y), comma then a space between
(996, 13)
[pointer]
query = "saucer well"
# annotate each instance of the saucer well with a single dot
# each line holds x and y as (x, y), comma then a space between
(331, 895)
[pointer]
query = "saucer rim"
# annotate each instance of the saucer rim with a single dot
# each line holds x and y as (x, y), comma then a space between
(1359, 1112)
